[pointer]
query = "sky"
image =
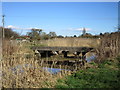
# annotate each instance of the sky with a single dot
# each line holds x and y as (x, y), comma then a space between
(64, 18)
(60, 0)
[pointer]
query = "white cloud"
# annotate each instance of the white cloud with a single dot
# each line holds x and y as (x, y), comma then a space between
(19, 28)
(80, 29)
(11, 26)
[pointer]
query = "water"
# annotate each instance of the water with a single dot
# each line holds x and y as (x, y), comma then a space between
(19, 68)
(91, 58)
(53, 70)
(56, 70)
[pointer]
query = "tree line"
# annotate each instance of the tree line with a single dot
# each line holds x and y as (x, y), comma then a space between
(9, 33)
(38, 34)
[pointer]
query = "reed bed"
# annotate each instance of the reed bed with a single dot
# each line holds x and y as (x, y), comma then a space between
(21, 68)
(21, 72)
(109, 46)
(72, 42)
(28, 74)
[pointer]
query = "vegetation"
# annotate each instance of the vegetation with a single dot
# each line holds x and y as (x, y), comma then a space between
(20, 68)
(70, 42)
(9, 34)
(88, 35)
(109, 46)
(104, 73)
(107, 75)
(37, 34)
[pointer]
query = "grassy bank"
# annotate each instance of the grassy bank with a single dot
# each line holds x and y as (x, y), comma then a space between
(106, 75)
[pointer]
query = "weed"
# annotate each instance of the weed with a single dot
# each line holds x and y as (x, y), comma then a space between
(102, 77)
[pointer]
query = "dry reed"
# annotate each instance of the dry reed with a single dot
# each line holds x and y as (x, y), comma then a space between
(71, 42)
(109, 46)
(20, 72)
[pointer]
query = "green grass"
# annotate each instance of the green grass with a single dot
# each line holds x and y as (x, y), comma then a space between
(102, 77)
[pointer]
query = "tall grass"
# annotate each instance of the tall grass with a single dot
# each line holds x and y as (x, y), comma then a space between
(109, 46)
(21, 72)
(28, 75)
(20, 68)
(71, 42)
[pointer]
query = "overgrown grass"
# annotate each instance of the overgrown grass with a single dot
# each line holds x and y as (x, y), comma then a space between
(70, 42)
(21, 69)
(107, 75)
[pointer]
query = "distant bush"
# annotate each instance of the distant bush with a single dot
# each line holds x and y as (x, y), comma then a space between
(88, 35)
(9, 33)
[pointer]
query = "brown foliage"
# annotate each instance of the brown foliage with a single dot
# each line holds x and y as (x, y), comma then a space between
(109, 46)
(9, 33)
(9, 47)
(21, 72)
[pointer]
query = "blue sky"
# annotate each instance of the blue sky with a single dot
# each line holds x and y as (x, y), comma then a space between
(64, 18)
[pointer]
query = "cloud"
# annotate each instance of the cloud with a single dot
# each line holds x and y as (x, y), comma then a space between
(80, 29)
(12, 27)
(19, 28)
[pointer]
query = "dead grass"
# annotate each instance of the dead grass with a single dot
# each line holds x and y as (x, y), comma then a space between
(109, 46)
(21, 72)
(33, 76)
(72, 42)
